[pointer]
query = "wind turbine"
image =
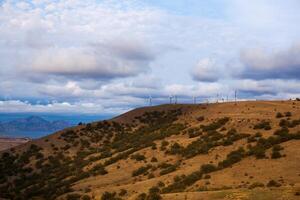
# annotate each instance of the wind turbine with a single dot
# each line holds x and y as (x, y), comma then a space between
(235, 96)
(170, 97)
(150, 100)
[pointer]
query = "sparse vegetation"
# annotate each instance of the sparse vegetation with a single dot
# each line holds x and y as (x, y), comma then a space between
(91, 150)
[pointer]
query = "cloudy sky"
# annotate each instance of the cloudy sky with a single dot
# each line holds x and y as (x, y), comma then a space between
(108, 56)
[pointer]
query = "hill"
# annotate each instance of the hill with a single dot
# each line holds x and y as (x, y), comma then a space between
(6, 143)
(249, 150)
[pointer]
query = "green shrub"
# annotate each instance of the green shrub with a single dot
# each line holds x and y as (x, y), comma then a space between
(288, 114)
(138, 157)
(98, 170)
(276, 152)
(123, 192)
(110, 196)
(258, 151)
(263, 125)
(273, 183)
(215, 125)
(151, 175)
(164, 144)
(73, 197)
(233, 157)
(255, 185)
(279, 115)
(200, 119)
(154, 194)
(208, 168)
(85, 197)
(141, 170)
(142, 196)
(168, 170)
(175, 149)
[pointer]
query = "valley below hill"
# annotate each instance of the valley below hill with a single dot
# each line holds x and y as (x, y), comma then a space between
(246, 150)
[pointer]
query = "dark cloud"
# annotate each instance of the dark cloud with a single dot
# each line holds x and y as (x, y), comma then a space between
(259, 64)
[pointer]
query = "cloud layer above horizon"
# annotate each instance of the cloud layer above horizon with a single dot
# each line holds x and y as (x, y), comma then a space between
(109, 56)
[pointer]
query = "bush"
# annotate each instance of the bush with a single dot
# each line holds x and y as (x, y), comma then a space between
(200, 119)
(175, 149)
(255, 185)
(85, 197)
(279, 115)
(141, 170)
(233, 157)
(276, 152)
(168, 170)
(208, 168)
(98, 170)
(154, 194)
(215, 125)
(142, 196)
(110, 196)
(273, 183)
(123, 192)
(263, 125)
(288, 114)
(138, 157)
(153, 159)
(258, 151)
(73, 197)
(164, 144)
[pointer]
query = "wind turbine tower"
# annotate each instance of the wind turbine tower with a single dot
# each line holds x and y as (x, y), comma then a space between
(150, 100)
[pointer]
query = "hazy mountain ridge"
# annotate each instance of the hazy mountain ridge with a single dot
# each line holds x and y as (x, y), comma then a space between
(210, 152)
(33, 123)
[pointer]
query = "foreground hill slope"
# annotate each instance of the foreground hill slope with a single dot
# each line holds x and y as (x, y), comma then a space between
(248, 150)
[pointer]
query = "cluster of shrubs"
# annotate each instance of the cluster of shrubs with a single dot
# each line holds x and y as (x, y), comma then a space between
(142, 170)
(69, 136)
(194, 132)
(110, 196)
(263, 125)
(98, 170)
(75, 196)
(258, 150)
(206, 142)
(280, 136)
(289, 124)
(215, 125)
(182, 182)
(232, 158)
(254, 138)
(286, 114)
(167, 168)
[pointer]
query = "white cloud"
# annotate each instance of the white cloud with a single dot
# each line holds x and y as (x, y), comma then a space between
(116, 53)
(207, 70)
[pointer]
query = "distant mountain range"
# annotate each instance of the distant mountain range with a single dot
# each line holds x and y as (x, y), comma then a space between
(32, 123)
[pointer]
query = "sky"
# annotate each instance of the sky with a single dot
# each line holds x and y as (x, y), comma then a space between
(109, 56)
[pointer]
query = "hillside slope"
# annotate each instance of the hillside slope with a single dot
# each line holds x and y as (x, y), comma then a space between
(248, 150)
